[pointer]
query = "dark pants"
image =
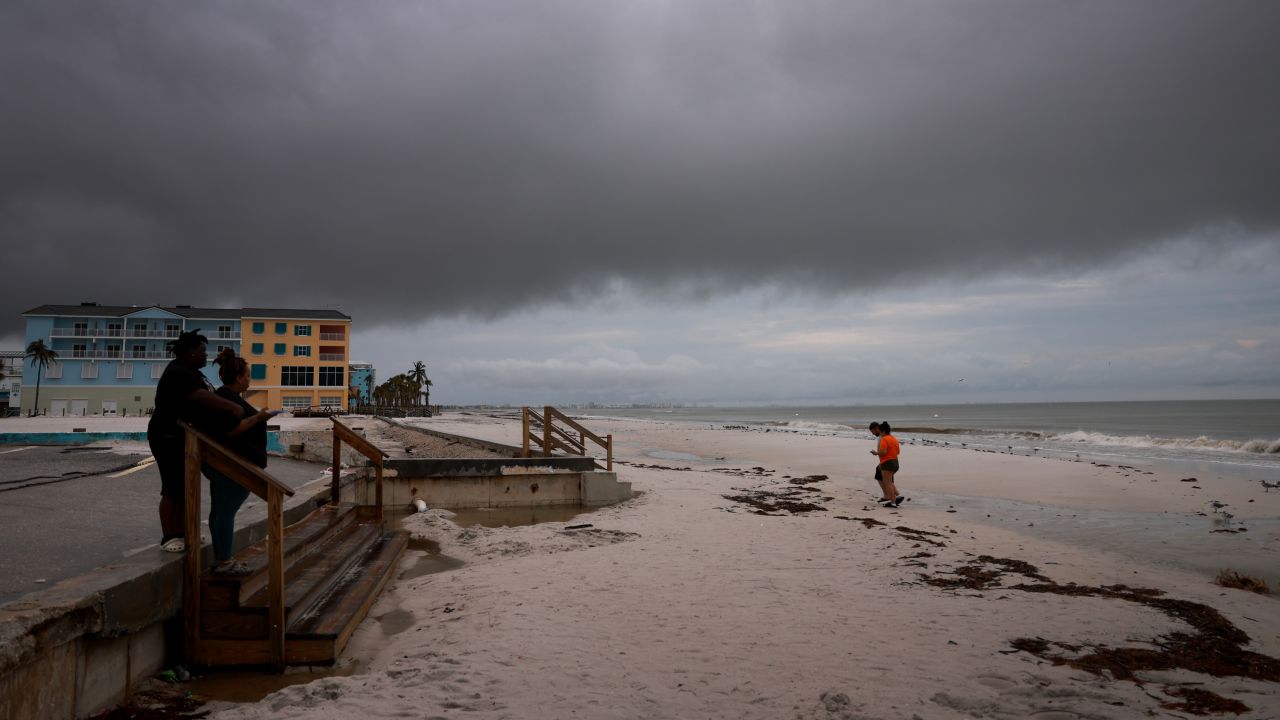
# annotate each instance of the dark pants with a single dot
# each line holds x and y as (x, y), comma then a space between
(225, 498)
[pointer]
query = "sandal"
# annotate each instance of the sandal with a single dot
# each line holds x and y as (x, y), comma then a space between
(232, 568)
(174, 545)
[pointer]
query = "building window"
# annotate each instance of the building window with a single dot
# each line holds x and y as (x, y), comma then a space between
(156, 371)
(302, 351)
(53, 372)
(89, 371)
(280, 348)
(138, 351)
(330, 401)
(257, 348)
(79, 350)
(297, 376)
(140, 330)
(221, 348)
(115, 329)
(282, 328)
(113, 351)
(81, 329)
(331, 377)
(224, 332)
(124, 371)
(259, 328)
(302, 330)
(172, 330)
(296, 402)
(258, 372)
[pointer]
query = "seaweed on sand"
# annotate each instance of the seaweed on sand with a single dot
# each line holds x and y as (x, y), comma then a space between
(1215, 646)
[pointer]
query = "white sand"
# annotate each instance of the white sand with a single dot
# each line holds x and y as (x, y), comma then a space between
(682, 604)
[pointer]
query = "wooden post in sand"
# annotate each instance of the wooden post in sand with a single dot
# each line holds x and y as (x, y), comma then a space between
(546, 431)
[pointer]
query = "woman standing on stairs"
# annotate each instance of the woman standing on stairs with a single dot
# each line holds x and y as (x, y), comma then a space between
(248, 439)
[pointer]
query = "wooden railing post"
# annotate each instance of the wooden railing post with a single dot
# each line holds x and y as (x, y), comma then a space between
(524, 430)
(191, 567)
(275, 577)
(377, 463)
(337, 462)
(546, 431)
(609, 449)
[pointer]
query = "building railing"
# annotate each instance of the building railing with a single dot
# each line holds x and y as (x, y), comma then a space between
(332, 357)
(333, 336)
(551, 438)
(131, 333)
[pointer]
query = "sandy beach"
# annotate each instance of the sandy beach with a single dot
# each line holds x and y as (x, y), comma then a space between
(753, 577)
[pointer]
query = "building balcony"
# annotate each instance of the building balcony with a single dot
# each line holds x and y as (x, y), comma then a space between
(131, 333)
(332, 357)
(333, 336)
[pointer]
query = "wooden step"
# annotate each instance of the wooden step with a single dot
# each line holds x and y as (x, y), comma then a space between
(300, 539)
(317, 635)
(307, 579)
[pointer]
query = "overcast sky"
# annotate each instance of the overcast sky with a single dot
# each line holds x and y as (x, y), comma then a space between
(673, 201)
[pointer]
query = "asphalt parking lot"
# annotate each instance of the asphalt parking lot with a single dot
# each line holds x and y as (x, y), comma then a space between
(67, 510)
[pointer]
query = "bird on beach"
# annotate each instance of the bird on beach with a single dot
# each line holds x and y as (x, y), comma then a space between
(1266, 486)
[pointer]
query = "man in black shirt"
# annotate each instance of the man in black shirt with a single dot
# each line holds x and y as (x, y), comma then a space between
(183, 393)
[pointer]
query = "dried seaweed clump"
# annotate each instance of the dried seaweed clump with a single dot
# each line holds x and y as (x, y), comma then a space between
(1229, 578)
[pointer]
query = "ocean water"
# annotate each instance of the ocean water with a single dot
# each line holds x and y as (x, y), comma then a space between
(1236, 437)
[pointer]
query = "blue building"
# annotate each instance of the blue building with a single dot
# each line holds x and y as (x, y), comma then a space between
(111, 357)
(363, 380)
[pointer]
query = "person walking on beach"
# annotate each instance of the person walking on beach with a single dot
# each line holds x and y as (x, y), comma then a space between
(183, 393)
(887, 450)
(248, 439)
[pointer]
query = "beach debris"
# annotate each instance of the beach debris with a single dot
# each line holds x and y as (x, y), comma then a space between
(920, 535)
(773, 503)
(1229, 578)
(578, 527)
(1215, 646)
(1187, 480)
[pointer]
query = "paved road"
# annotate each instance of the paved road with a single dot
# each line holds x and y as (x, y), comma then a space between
(67, 510)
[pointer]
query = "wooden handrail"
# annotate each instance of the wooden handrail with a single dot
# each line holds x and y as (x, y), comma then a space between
(199, 447)
(375, 454)
(566, 442)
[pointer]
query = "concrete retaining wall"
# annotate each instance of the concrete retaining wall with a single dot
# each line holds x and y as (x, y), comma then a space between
(491, 482)
(81, 646)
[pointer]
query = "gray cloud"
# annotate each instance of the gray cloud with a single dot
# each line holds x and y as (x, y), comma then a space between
(412, 160)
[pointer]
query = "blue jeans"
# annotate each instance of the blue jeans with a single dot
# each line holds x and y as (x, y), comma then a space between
(225, 498)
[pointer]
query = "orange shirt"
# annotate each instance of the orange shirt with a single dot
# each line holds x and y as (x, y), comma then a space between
(889, 448)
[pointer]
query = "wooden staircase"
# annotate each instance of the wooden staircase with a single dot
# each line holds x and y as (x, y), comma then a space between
(310, 584)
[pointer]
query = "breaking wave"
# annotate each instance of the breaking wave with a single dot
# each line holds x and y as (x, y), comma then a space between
(810, 426)
(1257, 446)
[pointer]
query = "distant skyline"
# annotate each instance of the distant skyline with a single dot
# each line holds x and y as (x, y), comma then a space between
(777, 202)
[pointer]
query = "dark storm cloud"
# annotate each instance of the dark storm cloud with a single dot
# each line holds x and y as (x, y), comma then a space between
(402, 160)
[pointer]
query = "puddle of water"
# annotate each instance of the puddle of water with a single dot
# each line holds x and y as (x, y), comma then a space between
(248, 686)
(396, 621)
(427, 559)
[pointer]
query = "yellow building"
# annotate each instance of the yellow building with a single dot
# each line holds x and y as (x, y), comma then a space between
(297, 358)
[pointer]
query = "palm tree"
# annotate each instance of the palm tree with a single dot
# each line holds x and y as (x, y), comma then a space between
(41, 356)
(418, 375)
